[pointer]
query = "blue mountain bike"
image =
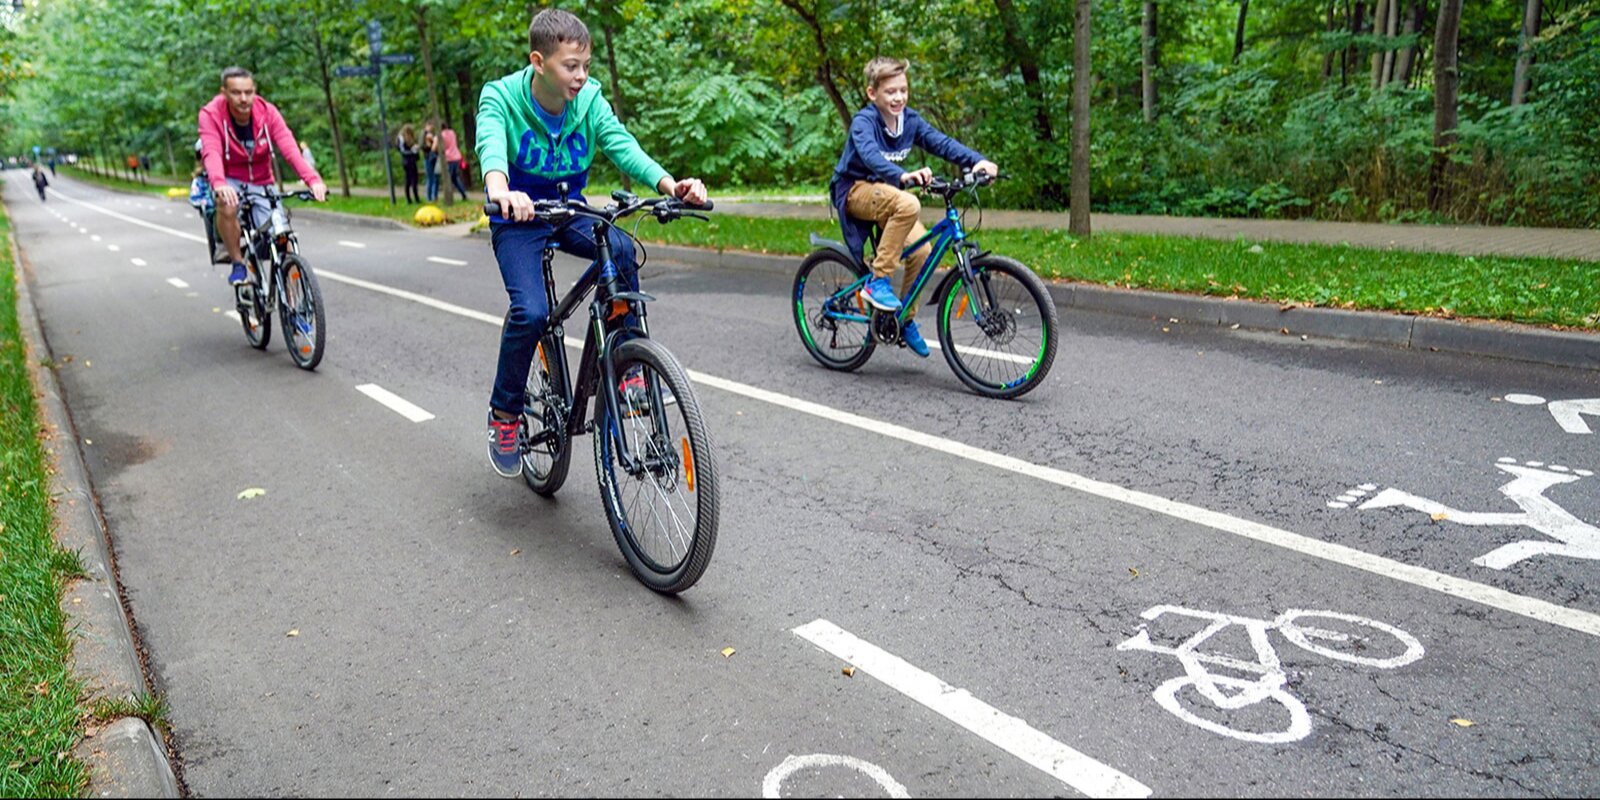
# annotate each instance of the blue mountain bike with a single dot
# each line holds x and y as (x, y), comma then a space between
(997, 323)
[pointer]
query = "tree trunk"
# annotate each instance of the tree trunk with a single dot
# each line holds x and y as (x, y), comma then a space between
(825, 76)
(467, 139)
(1078, 219)
(427, 60)
(1152, 60)
(1530, 31)
(1380, 16)
(1407, 55)
(333, 111)
(1238, 32)
(1358, 13)
(1327, 58)
(172, 160)
(1028, 64)
(618, 105)
(1391, 28)
(1446, 81)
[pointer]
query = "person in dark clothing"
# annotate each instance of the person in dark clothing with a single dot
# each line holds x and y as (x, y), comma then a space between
(39, 180)
(406, 143)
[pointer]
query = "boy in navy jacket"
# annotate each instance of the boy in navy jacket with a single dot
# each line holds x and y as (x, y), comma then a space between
(866, 185)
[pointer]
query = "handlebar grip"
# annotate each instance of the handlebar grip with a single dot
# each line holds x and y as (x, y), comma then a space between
(709, 205)
(491, 208)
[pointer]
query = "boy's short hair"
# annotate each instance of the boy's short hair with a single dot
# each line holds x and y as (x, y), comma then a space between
(552, 26)
(883, 68)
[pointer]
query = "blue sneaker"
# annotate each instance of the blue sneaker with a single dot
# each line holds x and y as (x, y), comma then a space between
(880, 294)
(505, 449)
(239, 275)
(913, 339)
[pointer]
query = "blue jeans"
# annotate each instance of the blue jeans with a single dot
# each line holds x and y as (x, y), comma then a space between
(520, 250)
(433, 177)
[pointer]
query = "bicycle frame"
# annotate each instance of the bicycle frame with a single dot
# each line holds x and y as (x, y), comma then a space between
(594, 365)
(948, 234)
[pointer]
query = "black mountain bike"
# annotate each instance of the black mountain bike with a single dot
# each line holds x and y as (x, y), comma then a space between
(653, 457)
(279, 277)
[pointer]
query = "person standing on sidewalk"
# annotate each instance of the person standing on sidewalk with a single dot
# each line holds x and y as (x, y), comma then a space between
(430, 158)
(406, 143)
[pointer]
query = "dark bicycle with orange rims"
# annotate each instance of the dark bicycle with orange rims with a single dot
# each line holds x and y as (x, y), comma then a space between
(281, 278)
(652, 454)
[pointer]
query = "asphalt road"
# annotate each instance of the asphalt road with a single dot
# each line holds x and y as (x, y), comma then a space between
(1009, 578)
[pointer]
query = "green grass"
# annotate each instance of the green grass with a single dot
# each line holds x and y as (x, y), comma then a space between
(1538, 291)
(40, 699)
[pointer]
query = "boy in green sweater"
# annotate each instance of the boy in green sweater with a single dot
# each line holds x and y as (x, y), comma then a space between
(539, 127)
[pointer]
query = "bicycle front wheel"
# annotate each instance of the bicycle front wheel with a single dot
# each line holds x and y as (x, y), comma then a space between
(661, 495)
(305, 323)
(998, 335)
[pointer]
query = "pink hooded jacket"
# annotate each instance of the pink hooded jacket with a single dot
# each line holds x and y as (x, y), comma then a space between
(225, 157)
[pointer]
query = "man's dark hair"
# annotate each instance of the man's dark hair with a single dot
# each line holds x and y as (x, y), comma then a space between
(552, 26)
(235, 72)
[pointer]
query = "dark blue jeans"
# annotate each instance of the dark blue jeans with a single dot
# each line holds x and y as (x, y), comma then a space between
(519, 248)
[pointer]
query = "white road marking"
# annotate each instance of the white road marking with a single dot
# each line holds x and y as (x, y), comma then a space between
(351, 244)
(396, 403)
(959, 706)
(113, 248)
(234, 314)
(772, 785)
(1525, 399)
(452, 262)
(135, 220)
(1472, 591)
(178, 282)
(139, 262)
(94, 238)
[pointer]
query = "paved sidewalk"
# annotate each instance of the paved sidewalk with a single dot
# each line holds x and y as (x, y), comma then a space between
(1468, 240)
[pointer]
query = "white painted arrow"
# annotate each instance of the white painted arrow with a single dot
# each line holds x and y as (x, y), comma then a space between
(1569, 413)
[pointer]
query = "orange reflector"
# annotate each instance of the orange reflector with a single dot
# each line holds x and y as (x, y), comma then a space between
(618, 308)
(688, 464)
(543, 362)
(305, 349)
(961, 309)
(294, 274)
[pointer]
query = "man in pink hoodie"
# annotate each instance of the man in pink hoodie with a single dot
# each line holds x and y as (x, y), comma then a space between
(238, 133)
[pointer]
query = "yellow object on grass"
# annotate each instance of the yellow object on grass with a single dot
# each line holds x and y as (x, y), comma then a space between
(428, 215)
(177, 191)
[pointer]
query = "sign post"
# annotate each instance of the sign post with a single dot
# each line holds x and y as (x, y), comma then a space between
(375, 69)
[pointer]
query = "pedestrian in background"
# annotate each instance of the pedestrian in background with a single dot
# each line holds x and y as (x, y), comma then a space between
(406, 143)
(430, 162)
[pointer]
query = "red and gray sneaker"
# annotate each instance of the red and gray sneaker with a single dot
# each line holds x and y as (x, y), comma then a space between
(505, 446)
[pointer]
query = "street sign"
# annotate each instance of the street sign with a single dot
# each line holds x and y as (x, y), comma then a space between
(354, 72)
(397, 58)
(375, 36)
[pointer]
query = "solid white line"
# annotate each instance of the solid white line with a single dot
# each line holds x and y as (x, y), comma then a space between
(178, 282)
(396, 403)
(1530, 607)
(452, 262)
(351, 244)
(959, 706)
(138, 262)
(135, 220)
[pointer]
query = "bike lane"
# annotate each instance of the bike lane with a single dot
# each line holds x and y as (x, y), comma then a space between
(1002, 588)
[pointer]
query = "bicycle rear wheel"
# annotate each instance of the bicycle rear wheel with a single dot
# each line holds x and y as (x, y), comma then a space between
(1000, 337)
(305, 323)
(663, 508)
(548, 451)
(841, 344)
(255, 310)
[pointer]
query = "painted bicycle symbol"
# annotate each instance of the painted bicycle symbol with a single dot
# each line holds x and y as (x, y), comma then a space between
(1343, 637)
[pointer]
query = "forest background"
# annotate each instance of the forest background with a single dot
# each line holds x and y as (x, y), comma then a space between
(1394, 110)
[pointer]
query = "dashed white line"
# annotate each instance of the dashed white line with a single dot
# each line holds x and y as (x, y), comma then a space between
(178, 282)
(113, 248)
(94, 238)
(139, 262)
(396, 403)
(959, 706)
(452, 262)
(347, 243)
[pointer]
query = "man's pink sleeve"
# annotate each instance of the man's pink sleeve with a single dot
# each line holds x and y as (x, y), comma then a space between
(283, 139)
(211, 145)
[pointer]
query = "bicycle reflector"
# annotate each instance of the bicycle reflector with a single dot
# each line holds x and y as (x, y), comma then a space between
(688, 464)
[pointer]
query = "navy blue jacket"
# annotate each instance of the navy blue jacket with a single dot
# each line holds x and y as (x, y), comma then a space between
(871, 154)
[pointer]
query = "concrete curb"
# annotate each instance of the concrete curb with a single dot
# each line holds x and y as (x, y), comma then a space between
(125, 758)
(1476, 337)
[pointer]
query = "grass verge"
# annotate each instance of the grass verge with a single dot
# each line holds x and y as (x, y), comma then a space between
(42, 708)
(1539, 291)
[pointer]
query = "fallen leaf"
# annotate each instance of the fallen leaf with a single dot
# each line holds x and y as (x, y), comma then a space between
(251, 493)
(849, 672)
(1303, 337)
(1233, 327)
(1464, 723)
(1166, 330)
(87, 363)
(1133, 571)
(1380, 383)
(1284, 331)
(294, 632)
(728, 651)
(1441, 516)
(1173, 320)
(517, 551)
(77, 600)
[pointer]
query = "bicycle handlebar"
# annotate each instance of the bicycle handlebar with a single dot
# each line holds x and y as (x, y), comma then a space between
(967, 180)
(664, 208)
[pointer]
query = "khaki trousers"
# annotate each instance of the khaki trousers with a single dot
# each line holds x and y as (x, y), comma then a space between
(895, 211)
